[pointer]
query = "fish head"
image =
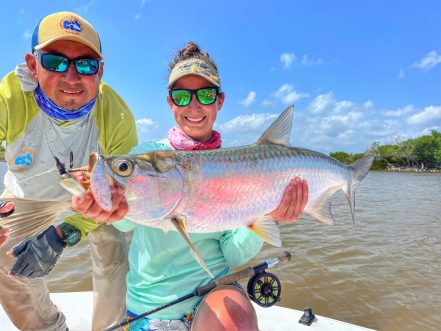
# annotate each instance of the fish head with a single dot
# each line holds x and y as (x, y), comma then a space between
(152, 183)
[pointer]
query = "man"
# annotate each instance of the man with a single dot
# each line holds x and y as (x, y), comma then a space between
(55, 105)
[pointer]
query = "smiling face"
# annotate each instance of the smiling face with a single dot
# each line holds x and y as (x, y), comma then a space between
(69, 90)
(196, 120)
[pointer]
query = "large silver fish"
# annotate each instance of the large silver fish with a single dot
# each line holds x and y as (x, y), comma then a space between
(217, 190)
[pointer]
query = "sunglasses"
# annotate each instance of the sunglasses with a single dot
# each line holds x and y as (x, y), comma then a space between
(205, 96)
(58, 63)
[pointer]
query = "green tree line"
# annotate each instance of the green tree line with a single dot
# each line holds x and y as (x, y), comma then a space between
(419, 154)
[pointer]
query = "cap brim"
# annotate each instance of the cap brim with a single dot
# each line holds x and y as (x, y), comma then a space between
(170, 84)
(71, 38)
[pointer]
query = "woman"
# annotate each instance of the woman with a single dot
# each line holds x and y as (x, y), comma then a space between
(162, 268)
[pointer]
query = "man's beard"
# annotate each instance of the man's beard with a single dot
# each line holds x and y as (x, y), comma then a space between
(71, 106)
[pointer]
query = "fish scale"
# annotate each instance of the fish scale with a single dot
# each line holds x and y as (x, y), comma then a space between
(228, 186)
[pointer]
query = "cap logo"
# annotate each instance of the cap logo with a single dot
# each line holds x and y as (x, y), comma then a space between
(194, 68)
(73, 25)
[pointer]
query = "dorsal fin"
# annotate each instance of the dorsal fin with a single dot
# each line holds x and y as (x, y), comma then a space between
(280, 131)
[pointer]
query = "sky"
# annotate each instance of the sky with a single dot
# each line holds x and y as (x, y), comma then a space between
(357, 72)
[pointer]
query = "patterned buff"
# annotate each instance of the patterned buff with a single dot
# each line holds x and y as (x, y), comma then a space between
(180, 141)
(51, 109)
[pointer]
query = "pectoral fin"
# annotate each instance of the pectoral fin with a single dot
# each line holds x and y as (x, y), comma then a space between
(266, 228)
(179, 222)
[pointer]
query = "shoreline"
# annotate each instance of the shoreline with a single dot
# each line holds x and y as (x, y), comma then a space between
(425, 171)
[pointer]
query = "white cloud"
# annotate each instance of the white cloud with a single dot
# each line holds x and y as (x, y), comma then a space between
(429, 113)
(431, 60)
(343, 105)
(328, 124)
(309, 62)
(401, 74)
(322, 102)
(244, 123)
(399, 112)
(137, 16)
(287, 59)
(368, 105)
(27, 34)
(245, 129)
(251, 97)
(84, 8)
(287, 95)
(146, 124)
(21, 14)
(268, 103)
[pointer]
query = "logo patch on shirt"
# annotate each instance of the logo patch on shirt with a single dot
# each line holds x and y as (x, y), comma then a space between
(24, 159)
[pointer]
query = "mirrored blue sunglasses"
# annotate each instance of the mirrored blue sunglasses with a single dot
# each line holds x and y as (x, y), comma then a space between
(59, 63)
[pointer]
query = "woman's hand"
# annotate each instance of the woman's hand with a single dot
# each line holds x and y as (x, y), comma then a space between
(293, 202)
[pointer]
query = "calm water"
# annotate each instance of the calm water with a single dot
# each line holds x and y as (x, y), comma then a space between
(382, 272)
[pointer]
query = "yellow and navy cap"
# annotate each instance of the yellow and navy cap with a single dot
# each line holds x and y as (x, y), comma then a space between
(194, 66)
(65, 26)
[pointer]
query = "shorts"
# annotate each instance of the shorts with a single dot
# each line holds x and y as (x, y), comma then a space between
(147, 324)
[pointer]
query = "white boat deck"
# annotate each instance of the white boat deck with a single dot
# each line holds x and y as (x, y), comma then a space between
(77, 306)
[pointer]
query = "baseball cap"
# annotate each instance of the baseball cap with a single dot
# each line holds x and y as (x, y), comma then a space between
(194, 66)
(65, 26)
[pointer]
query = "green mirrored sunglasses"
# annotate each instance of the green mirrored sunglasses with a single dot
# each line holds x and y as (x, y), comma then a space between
(205, 96)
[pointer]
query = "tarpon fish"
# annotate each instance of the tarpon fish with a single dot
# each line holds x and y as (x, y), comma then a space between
(228, 188)
(222, 189)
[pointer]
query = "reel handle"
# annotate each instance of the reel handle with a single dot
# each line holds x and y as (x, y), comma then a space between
(245, 273)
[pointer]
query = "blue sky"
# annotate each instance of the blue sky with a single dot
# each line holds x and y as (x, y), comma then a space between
(356, 71)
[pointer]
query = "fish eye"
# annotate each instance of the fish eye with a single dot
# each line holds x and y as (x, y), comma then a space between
(123, 168)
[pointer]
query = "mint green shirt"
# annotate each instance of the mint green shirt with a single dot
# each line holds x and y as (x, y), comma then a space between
(162, 268)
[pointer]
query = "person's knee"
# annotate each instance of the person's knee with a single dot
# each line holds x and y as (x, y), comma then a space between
(225, 308)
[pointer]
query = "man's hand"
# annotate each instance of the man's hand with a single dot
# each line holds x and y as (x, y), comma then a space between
(293, 202)
(7, 208)
(88, 207)
(37, 255)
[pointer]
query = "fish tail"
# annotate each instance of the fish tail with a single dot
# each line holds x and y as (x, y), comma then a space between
(360, 169)
(266, 228)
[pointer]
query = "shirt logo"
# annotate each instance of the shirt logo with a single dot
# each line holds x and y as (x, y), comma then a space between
(22, 160)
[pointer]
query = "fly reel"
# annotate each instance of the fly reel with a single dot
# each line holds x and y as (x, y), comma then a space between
(264, 288)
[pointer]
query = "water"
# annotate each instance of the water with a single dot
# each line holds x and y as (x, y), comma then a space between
(382, 272)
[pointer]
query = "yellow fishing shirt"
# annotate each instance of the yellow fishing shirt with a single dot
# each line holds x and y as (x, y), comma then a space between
(33, 139)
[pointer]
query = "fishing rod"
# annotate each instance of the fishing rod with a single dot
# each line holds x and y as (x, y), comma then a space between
(264, 287)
